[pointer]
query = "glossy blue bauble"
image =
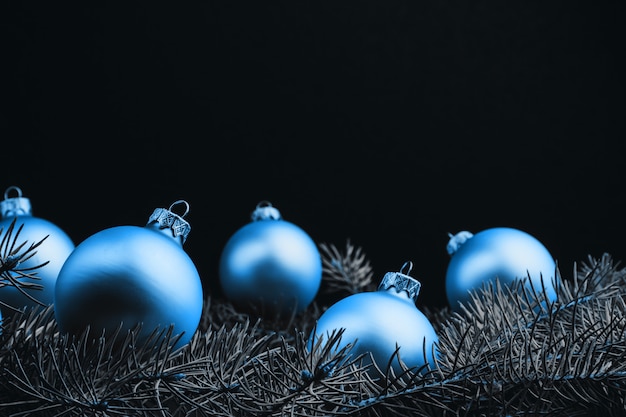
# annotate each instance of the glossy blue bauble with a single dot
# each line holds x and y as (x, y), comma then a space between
(377, 322)
(270, 266)
(130, 275)
(54, 250)
(502, 252)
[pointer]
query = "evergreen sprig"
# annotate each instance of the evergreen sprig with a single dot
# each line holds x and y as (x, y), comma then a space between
(345, 273)
(510, 351)
(13, 254)
(521, 353)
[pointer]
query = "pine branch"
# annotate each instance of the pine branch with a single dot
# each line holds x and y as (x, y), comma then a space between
(45, 373)
(218, 312)
(345, 273)
(12, 258)
(510, 352)
(547, 357)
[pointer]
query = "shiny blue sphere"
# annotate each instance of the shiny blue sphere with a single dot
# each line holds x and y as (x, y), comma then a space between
(377, 322)
(504, 253)
(270, 267)
(54, 250)
(129, 275)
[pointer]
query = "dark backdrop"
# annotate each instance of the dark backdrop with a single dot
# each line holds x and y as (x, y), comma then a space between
(386, 123)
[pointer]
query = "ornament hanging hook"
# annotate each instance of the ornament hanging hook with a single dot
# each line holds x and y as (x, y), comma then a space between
(263, 203)
(409, 266)
(180, 202)
(12, 188)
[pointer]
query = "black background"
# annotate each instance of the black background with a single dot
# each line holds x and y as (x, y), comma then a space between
(386, 123)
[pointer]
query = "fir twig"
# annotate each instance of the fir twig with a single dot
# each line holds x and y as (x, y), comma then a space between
(522, 352)
(13, 255)
(510, 352)
(218, 312)
(347, 272)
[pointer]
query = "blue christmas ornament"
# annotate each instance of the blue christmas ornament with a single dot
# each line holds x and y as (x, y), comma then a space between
(128, 275)
(378, 322)
(501, 252)
(270, 266)
(39, 272)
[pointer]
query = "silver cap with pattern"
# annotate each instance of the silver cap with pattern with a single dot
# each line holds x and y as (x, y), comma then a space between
(15, 206)
(167, 219)
(401, 281)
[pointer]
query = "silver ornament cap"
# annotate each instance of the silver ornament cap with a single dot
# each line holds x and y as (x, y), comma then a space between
(401, 281)
(265, 211)
(15, 206)
(168, 221)
(456, 241)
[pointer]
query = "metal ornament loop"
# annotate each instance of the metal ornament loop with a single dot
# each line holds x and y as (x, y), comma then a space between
(180, 202)
(11, 188)
(409, 266)
(15, 206)
(401, 282)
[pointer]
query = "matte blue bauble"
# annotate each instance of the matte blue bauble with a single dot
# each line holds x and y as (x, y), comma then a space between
(378, 322)
(502, 252)
(130, 275)
(54, 250)
(270, 266)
